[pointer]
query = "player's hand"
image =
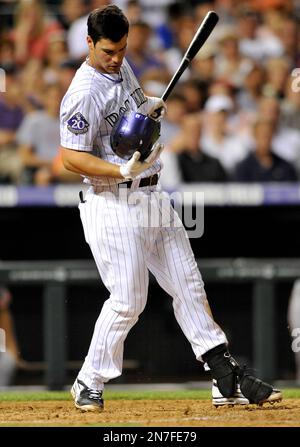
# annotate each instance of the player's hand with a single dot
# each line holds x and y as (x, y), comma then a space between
(134, 167)
(158, 108)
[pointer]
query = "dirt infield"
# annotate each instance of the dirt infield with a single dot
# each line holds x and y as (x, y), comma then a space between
(173, 413)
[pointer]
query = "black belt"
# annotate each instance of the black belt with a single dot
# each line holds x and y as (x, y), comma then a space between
(147, 181)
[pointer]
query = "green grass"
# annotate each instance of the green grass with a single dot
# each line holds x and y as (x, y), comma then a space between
(109, 395)
(15, 396)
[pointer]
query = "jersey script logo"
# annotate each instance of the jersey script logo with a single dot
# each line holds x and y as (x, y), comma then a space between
(139, 99)
(78, 124)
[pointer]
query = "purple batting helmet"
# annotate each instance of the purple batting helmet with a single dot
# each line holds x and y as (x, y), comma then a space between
(134, 132)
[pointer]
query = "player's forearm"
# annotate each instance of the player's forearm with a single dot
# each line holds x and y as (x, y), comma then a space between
(87, 164)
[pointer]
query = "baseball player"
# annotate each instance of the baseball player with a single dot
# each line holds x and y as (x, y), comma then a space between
(103, 88)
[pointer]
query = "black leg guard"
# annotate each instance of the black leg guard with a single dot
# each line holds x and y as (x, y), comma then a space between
(223, 368)
(254, 389)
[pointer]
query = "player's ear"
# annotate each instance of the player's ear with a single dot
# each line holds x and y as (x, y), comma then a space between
(90, 42)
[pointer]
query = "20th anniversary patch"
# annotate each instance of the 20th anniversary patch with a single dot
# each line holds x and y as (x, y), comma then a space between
(78, 124)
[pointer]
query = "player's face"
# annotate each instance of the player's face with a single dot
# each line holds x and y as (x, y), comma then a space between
(107, 56)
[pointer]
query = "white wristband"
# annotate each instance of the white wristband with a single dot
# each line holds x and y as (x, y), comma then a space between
(124, 172)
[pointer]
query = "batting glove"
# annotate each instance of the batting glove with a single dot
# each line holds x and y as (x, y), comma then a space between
(158, 108)
(134, 167)
(156, 150)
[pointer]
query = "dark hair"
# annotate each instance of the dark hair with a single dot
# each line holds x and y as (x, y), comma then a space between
(108, 23)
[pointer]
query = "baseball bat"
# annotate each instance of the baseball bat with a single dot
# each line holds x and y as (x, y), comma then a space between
(202, 34)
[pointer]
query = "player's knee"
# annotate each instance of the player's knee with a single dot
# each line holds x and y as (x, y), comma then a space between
(130, 310)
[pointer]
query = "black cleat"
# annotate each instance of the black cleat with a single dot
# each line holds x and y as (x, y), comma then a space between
(275, 396)
(236, 399)
(85, 398)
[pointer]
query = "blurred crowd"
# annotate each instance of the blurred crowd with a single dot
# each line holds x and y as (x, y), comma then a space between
(234, 116)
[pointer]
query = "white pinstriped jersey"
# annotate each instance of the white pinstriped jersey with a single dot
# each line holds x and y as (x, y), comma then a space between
(91, 106)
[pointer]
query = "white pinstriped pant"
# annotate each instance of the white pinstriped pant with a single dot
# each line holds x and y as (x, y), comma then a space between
(124, 253)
